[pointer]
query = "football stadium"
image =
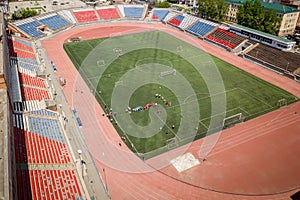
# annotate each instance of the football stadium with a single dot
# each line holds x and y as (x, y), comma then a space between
(124, 102)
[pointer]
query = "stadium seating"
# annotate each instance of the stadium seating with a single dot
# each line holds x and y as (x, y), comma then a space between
(31, 105)
(30, 27)
(287, 61)
(201, 28)
(15, 43)
(45, 127)
(67, 15)
(29, 93)
(176, 20)
(32, 81)
(53, 21)
(21, 54)
(22, 41)
(28, 66)
(85, 15)
(48, 184)
(169, 16)
(27, 60)
(44, 112)
(187, 21)
(121, 10)
(159, 14)
(225, 38)
(34, 148)
(133, 11)
(108, 13)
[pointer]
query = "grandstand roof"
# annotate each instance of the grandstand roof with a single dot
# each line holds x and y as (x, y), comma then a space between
(280, 39)
(269, 6)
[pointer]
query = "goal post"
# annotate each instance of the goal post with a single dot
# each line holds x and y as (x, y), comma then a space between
(166, 73)
(232, 120)
(118, 51)
(179, 49)
(100, 63)
(281, 102)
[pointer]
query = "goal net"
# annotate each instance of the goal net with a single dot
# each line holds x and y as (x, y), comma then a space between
(118, 51)
(100, 63)
(172, 143)
(166, 73)
(281, 102)
(179, 49)
(232, 120)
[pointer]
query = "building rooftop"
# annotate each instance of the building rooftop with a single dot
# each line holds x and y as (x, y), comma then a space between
(269, 6)
(262, 33)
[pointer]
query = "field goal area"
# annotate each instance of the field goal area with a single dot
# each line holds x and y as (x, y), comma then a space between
(166, 73)
(232, 120)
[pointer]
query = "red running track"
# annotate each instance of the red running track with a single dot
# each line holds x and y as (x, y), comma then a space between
(254, 160)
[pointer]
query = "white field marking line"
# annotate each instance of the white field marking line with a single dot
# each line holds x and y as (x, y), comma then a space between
(220, 113)
(168, 61)
(248, 137)
(208, 96)
(168, 127)
(203, 124)
(256, 98)
(258, 126)
(244, 110)
(266, 123)
(118, 72)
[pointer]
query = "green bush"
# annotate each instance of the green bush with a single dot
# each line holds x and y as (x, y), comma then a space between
(24, 13)
(164, 4)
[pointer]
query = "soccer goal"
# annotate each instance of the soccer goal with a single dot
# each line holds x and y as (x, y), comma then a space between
(118, 51)
(100, 63)
(179, 49)
(281, 102)
(172, 143)
(166, 73)
(232, 120)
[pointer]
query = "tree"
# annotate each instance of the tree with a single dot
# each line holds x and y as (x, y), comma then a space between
(253, 15)
(164, 4)
(212, 9)
(24, 13)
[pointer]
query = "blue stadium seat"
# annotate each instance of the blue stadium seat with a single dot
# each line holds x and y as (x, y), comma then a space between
(160, 14)
(45, 127)
(201, 28)
(29, 66)
(27, 60)
(133, 12)
(44, 112)
(30, 28)
(179, 17)
(23, 42)
(55, 22)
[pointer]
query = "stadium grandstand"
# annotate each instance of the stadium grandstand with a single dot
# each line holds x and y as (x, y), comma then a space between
(159, 14)
(225, 38)
(43, 152)
(261, 37)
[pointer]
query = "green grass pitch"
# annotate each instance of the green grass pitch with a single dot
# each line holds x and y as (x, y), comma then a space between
(244, 92)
